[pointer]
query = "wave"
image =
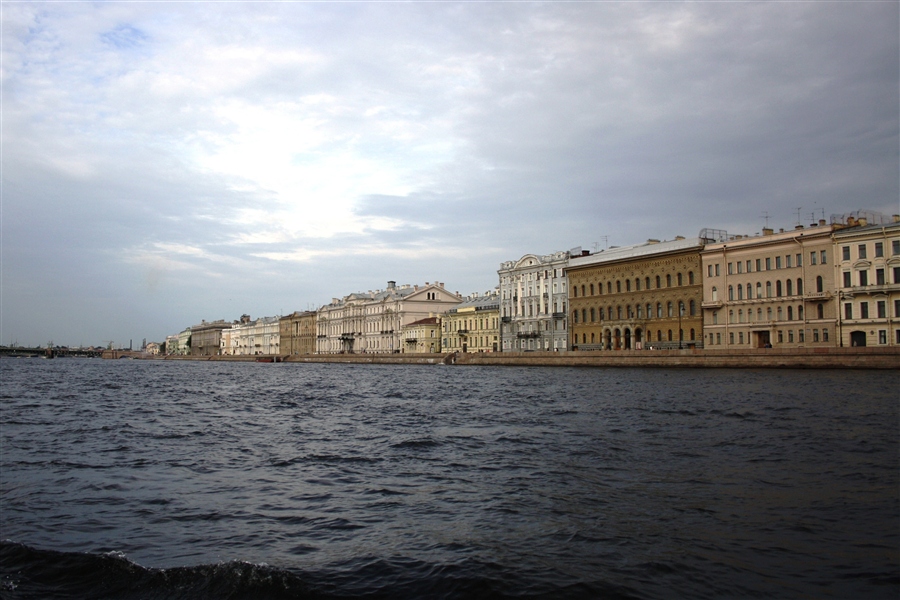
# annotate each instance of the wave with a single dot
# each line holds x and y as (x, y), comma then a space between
(28, 574)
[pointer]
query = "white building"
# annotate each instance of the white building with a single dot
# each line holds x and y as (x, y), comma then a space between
(533, 301)
(250, 338)
(371, 322)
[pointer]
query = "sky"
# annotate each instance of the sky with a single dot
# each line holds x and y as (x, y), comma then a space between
(162, 163)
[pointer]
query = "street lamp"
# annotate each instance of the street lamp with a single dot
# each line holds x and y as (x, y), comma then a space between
(680, 314)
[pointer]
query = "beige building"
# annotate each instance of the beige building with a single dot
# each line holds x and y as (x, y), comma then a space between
(298, 333)
(206, 337)
(774, 289)
(474, 325)
(867, 272)
(372, 322)
(422, 336)
(637, 297)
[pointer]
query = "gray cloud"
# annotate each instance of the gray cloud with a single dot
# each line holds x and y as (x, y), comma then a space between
(167, 163)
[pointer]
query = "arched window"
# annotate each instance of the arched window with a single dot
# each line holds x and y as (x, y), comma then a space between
(670, 335)
(790, 313)
(659, 310)
(640, 311)
(679, 280)
(730, 293)
(575, 318)
(820, 311)
(778, 289)
(799, 287)
(693, 309)
(637, 284)
(649, 311)
(758, 290)
(820, 286)
(593, 316)
(769, 313)
(768, 289)
(740, 292)
(592, 289)
(668, 280)
(659, 335)
(731, 316)
(789, 287)
(740, 315)
(780, 314)
(647, 283)
(657, 282)
(715, 294)
(619, 312)
(693, 335)
(609, 287)
(669, 309)
(691, 282)
(749, 291)
(584, 315)
(627, 285)
(618, 287)
(574, 291)
(800, 313)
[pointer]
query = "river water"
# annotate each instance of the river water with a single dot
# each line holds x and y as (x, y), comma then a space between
(153, 479)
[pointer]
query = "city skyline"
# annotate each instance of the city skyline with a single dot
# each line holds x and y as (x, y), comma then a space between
(168, 163)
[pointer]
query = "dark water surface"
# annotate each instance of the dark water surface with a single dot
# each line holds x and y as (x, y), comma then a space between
(140, 479)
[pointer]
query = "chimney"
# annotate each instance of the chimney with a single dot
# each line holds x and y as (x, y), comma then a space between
(767, 231)
(798, 227)
(821, 222)
(781, 230)
(391, 284)
(584, 253)
(863, 221)
(679, 237)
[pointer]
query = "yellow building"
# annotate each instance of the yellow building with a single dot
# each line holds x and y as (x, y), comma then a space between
(298, 333)
(422, 336)
(474, 325)
(635, 297)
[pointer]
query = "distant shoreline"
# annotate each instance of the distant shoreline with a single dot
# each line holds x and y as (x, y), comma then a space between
(802, 358)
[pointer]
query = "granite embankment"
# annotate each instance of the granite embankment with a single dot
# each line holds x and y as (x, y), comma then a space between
(887, 357)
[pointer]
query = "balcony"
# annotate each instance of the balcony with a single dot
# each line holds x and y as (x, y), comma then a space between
(462, 332)
(559, 315)
(712, 304)
(528, 334)
(818, 295)
(506, 319)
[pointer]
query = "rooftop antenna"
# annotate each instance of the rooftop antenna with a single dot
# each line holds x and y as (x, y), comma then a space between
(605, 239)
(766, 217)
(799, 208)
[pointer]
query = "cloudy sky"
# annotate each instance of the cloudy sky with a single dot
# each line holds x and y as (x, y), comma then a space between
(164, 163)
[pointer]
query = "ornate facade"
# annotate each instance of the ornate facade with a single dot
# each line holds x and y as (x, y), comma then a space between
(298, 333)
(474, 325)
(206, 338)
(867, 273)
(533, 303)
(372, 322)
(637, 297)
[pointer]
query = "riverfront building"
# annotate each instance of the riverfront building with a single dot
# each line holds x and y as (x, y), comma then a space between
(867, 272)
(372, 322)
(298, 333)
(533, 302)
(251, 338)
(634, 297)
(206, 337)
(474, 325)
(422, 336)
(776, 289)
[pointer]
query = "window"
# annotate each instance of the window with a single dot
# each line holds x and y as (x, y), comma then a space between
(640, 311)
(800, 313)
(768, 289)
(879, 276)
(882, 336)
(679, 280)
(863, 310)
(820, 284)
(791, 336)
(574, 291)
(799, 260)
(717, 270)
(740, 289)
(789, 285)
(668, 281)
(637, 284)
(758, 289)
(649, 312)
(780, 337)
(822, 257)
(777, 262)
(895, 247)
(780, 314)
(730, 293)
(768, 264)
(740, 337)
(757, 264)
(848, 311)
(861, 251)
(748, 266)
(740, 315)
(618, 287)
(647, 283)
(847, 279)
(627, 285)
(815, 335)
(790, 313)
(609, 287)
(863, 278)
(693, 308)
(659, 310)
(731, 338)
(897, 308)
(669, 310)
(820, 311)
(799, 287)
(592, 291)
(787, 261)
(690, 278)
(778, 289)
(709, 270)
(896, 274)
(845, 253)
(749, 291)
(881, 309)
(730, 268)
(715, 316)
(824, 335)
(719, 338)
(659, 286)
(879, 249)
(740, 267)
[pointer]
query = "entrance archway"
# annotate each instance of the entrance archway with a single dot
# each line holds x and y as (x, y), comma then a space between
(857, 338)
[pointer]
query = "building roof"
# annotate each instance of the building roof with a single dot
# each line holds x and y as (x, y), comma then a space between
(648, 248)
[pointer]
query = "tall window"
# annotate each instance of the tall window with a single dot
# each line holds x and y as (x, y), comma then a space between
(863, 310)
(669, 311)
(879, 249)
(690, 278)
(789, 285)
(740, 290)
(768, 289)
(679, 280)
(848, 310)
(657, 280)
(627, 285)
(861, 251)
(845, 253)
(863, 278)
(790, 313)
(820, 311)
(669, 280)
(730, 293)
(693, 308)
(778, 289)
